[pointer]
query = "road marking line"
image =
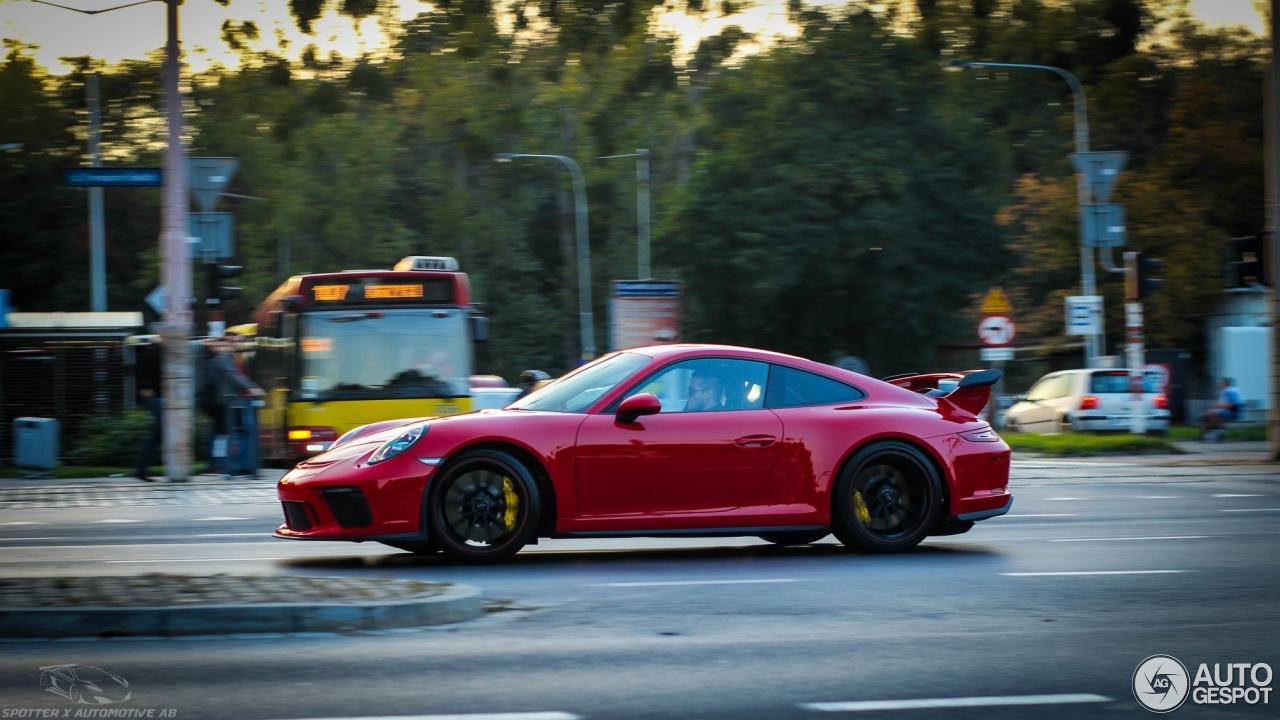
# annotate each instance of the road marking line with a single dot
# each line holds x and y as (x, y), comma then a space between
(1253, 510)
(1235, 495)
(22, 523)
(1066, 498)
(1093, 572)
(873, 705)
(236, 559)
(1153, 537)
(554, 715)
(1160, 497)
(209, 519)
(253, 534)
(113, 520)
(1045, 515)
(696, 582)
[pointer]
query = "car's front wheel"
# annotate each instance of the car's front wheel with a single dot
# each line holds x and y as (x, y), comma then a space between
(887, 498)
(483, 507)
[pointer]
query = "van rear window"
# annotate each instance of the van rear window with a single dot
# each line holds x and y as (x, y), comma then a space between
(1118, 382)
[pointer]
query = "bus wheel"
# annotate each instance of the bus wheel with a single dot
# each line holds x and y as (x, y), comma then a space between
(483, 507)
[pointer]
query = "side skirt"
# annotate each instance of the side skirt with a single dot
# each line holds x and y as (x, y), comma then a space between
(691, 533)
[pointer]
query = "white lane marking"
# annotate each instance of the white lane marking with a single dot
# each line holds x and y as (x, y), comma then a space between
(234, 559)
(1067, 498)
(553, 715)
(873, 705)
(214, 519)
(22, 523)
(1152, 537)
(1094, 572)
(257, 534)
(1045, 515)
(1235, 495)
(20, 539)
(113, 520)
(697, 582)
(1253, 510)
(1160, 497)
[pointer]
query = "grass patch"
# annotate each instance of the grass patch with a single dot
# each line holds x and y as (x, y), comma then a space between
(1242, 433)
(1073, 444)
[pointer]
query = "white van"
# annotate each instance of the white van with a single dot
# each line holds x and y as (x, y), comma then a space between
(1083, 400)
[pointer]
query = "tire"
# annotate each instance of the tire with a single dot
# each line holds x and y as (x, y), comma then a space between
(1064, 425)
(483, 507)
(75, 695)
(887, 499)
(794, 537)
(417, 547)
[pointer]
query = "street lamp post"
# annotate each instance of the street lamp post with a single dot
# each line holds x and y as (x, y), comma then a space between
(1088, 284)
(179, 393)
(585, 316)
(643, 271)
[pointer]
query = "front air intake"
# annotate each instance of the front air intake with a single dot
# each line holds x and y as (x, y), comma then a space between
(295, 515)
(349, 506)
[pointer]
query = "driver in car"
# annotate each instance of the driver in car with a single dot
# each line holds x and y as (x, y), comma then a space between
(704, 392)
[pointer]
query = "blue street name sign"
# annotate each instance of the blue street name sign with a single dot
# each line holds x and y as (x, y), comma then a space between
(113, 177)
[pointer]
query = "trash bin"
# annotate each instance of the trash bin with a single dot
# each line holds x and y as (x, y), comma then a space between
(35, 443)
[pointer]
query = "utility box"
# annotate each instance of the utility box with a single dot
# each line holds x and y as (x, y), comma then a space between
(35, 443)
(1246, 359)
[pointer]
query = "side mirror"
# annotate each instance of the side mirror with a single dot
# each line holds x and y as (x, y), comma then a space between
(637, 405)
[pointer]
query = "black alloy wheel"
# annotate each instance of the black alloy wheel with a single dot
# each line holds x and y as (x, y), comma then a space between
(887, 499)
(483, 507)
(794, 537)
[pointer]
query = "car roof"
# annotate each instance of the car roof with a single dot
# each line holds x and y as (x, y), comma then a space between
(676, 351)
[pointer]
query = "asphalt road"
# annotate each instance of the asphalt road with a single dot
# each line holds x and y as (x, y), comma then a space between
(1100, 565)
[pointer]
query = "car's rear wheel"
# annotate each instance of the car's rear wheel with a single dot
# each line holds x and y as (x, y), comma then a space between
(483, 507)
(794, 537)
(887, 499)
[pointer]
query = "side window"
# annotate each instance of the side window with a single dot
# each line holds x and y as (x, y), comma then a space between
(1043, 390)
(708, 384)
(789, 387)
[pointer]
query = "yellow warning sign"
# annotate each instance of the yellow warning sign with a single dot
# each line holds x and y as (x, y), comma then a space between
(996, 302)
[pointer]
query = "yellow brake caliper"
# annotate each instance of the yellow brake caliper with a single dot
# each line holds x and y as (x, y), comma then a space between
(513, 503)
(861, 507)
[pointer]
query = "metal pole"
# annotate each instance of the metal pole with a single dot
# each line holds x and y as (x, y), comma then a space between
(642, 213)
(1272, 163)
(1093, 344)
(97, 239)
(176, 274)
(585, 314)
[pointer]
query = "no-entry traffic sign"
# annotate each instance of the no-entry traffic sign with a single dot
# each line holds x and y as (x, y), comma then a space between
(997, 330)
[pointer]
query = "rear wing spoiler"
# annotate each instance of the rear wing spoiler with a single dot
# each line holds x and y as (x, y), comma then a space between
(968, 390)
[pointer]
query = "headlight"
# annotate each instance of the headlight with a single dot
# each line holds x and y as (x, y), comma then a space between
(394, 447)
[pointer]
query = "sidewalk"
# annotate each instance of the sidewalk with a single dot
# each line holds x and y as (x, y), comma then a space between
(168, 605)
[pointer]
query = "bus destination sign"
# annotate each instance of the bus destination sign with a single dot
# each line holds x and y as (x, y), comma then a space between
(365, 291)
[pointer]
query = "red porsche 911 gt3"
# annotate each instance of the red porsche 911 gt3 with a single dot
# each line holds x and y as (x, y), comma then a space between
(674, 441)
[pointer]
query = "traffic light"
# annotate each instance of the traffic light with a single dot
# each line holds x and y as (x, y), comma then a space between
(1140, 280)
(1250, 262)
(219, 293)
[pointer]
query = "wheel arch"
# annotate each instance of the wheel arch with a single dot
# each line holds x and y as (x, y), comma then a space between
(546, 488)
(923, 448)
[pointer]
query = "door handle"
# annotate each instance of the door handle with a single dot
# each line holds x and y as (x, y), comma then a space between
(755, 441)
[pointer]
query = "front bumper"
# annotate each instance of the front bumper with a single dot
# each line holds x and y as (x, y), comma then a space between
(345, 502)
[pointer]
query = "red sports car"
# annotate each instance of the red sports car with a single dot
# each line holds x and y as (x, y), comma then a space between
(672, 441)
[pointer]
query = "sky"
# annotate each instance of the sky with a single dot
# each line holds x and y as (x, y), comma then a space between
(131, 33)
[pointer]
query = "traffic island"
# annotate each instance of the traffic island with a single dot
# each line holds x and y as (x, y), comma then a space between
(171, 605)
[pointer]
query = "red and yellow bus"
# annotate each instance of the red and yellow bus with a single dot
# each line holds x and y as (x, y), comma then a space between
(335, 351)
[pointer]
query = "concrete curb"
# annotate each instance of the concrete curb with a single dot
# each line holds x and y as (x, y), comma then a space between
(456, 604)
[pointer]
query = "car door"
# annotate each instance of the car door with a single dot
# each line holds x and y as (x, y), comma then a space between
(708, 450)
(1037, 412)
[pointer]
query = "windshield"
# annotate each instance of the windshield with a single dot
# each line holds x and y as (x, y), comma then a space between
(576, 391)
(384, 354)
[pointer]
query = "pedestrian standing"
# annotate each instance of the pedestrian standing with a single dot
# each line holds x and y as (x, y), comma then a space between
(148, 376)
(237, 392)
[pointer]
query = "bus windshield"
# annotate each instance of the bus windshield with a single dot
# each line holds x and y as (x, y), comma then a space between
(384, 354)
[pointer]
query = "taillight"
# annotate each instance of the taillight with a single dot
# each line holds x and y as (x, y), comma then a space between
(1161, 402)
(1088, 402)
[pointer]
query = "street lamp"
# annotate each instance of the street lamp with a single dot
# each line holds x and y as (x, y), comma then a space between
(1088, 284)
(585, 316)
(642, 210)
(179, 393)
